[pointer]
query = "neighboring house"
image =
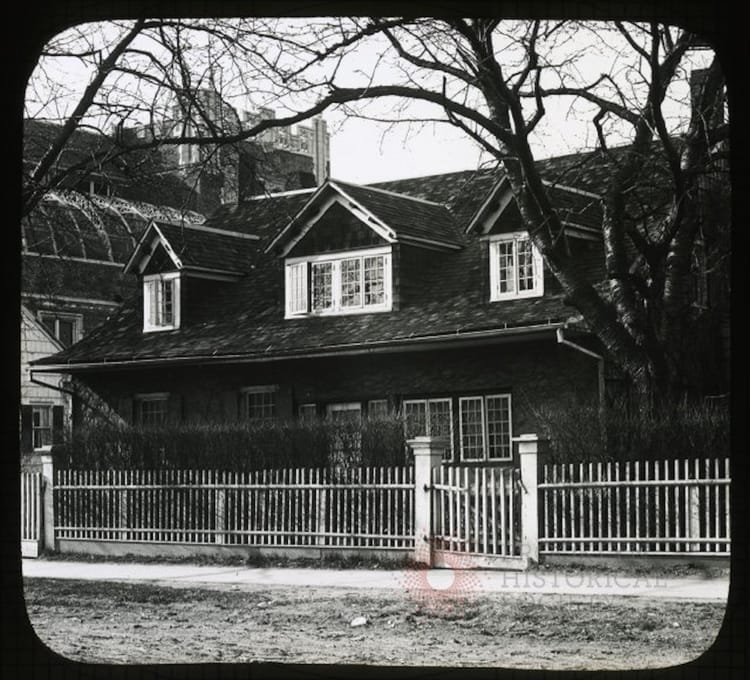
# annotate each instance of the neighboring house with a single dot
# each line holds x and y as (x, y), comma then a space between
(422, 296)
(44, 402)
(76, 241)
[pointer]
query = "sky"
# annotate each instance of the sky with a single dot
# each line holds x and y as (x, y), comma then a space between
(365, 151)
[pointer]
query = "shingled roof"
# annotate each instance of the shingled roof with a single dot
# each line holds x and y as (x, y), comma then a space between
(246, 320)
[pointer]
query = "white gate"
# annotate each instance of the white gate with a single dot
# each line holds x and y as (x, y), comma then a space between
(476, 518)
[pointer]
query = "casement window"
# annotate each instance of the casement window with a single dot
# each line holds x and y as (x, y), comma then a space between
(430, 418)
(151, 409)
(41, 426)
(65, 327)
(161, 302)
(377, 408)
(485, 427)
(350, 283)
(258, 403)
(516, 269)
(307, 413)
(347, 439)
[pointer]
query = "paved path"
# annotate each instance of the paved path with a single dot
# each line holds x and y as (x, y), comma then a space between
(535, 583)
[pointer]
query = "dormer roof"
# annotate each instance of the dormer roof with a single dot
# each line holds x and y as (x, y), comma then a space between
(196, 249)
(394, 217)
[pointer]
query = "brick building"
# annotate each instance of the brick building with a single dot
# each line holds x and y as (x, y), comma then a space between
(423, 296)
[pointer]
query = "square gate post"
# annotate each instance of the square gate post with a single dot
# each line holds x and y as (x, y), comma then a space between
(428, 454)
(529, 448)
(48, 502)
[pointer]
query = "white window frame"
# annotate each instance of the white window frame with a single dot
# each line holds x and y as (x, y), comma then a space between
(494, 245)
(449, 454)
(485, 434)
(307, 412)
(46, 409)
(174, 279)
(299, 288)
(258, 389)
(151, 397)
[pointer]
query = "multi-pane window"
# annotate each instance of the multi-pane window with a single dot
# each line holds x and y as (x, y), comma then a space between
(307, 412)
(485, 427)
(41, 426)
(151, 409)
(259, 403)
(63, 327)
(322, 286)
(516, 268)
(347, 438)
(429, 417)
(351, 282)
(339, 284)
(377, 408)
(161, 302)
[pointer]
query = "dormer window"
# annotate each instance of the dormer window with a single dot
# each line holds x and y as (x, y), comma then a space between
(516, 269)
(341, 283)
(161, 302)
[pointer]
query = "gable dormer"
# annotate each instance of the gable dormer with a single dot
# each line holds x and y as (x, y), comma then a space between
(516, 267)
(168, 256)
(340, 251)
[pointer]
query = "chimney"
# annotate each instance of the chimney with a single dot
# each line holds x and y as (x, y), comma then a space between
(320, 149)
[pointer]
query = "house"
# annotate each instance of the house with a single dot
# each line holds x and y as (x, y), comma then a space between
(424, 296)
(77, 239)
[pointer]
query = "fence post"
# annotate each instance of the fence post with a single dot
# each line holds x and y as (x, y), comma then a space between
(219, 508)
(48, 501)
(529, 448)
(428, 454)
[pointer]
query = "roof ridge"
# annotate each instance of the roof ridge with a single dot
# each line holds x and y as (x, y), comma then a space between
(291, 192)
(392, 193)
(213, 230)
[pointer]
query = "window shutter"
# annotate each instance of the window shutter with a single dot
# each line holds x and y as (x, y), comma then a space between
(148, 303)
(538, 269)
(296, 288)
(26, 435)
(57, 424)
(494, 265)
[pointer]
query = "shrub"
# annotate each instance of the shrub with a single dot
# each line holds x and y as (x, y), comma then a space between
(239, 447)
(675, 431)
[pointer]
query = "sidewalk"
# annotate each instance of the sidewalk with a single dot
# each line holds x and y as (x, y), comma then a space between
(505, 582)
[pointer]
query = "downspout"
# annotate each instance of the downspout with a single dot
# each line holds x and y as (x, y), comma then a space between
(600, 375)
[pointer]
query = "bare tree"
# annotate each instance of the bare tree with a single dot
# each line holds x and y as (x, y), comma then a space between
(494, 81)
(663, 160)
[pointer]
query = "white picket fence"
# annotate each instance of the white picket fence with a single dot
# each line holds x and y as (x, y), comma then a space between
(640, 507)
(31, 513)
(362, 508)
(475, 510)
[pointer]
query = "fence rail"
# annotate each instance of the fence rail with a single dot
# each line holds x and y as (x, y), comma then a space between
(643, 507)
(363, 507)
(475, 510)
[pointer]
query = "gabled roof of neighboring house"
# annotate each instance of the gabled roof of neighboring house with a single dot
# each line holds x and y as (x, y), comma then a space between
(69, 224)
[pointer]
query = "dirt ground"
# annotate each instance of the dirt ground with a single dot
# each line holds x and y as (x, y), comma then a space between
(144, 623)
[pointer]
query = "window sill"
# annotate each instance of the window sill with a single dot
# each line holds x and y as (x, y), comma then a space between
(517, 296)
(339, 312)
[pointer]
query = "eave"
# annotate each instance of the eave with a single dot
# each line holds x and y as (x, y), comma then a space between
(456, 339)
